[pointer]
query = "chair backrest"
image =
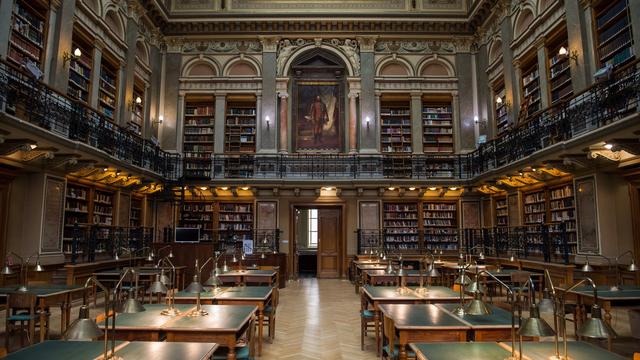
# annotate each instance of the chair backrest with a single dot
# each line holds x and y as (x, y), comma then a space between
(24, 301)
(388, 331)
(364, 304)
(520, 277)
(275, 297)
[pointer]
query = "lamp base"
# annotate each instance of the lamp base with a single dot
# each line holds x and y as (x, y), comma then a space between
(403, 290)
(459, 311)
(615, 288)
(421, 290)
(170, 312)
(22, 288)
(196, 313)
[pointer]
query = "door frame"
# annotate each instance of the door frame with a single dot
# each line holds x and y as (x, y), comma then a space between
(342, 243)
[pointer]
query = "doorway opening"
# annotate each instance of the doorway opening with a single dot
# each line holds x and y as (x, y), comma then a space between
(318, 241)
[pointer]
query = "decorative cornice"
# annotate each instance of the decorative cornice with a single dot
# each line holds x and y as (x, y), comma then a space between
(269, 43)
(367, 43)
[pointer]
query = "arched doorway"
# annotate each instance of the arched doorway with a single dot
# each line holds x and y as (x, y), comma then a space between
(318, 107)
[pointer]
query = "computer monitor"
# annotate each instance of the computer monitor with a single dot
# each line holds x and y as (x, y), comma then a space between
(187, 235)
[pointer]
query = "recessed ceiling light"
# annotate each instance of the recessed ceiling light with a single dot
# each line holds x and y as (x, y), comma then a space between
(117, 173)
(608, 146)
(203, 188)
(245, 188)
(534, 169)
(224, 188)
(327, 188)
(433, 188)
(105, 169)
(453, 188)
(412, 188)
(391, 188)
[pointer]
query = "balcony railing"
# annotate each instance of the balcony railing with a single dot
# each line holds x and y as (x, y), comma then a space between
(606, 102)
(30, 100)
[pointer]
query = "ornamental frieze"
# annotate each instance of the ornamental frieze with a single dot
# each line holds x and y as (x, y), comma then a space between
(415, 47)
(349, 47)
(214, 46)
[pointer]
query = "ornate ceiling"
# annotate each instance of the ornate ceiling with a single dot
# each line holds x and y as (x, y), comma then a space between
(250, 17)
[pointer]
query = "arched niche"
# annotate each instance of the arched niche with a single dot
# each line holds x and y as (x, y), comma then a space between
(94, 5)
(318, 101)
(242, 67)
(293, 58)
(436, 67)
(495, 50)
(523, 21)
(394, 67)
(142, 52)
(200, 67)
(114, 23)
(543, 5)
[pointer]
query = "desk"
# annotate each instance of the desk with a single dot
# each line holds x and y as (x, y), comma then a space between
(180, 270)
(258, 296)
(240, 276)
(380, 295)
(577, 350)
(360, 268)
(48, 295)
(225, 324)
(424, 322)
(86, 350)
(492, 327)
(505, 276)
(460, 351)
(371, 277)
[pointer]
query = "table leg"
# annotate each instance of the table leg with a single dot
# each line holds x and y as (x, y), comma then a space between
(63, 315)
(402, 351)
(376, 321)
(260, 330)
(231, 355)
(43, 318)
(606, 306)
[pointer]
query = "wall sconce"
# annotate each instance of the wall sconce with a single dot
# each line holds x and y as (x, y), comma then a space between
(159, 121)
(268, 120)
(564, 52)
(476, 120)
(136, 101)
(66, 57)
(367, 120)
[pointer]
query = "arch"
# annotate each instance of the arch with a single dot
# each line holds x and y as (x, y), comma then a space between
(391, 66)
(436, 67)
(142, 52)
(200, 67)
(495, 50)
(114, 22)
(303, 49)
(94, 5)
(543, 5)
(242, 66)
(523, 20)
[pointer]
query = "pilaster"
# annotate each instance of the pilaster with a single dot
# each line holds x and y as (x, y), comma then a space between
(180, 122)
(543, 79)
(368, 134)
(129, 70)
(60, 34)
(457, 137)
(221, 102)
(95, 74)
(511, 83)
(579, 39)
(269, 105)
(6, 8)
(416, 123)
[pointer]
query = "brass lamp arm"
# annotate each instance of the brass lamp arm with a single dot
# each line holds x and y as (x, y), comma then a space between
(593, 285)
(205, 263)
(485, 272)
(625, 253)
(513, 314)
(107, 302)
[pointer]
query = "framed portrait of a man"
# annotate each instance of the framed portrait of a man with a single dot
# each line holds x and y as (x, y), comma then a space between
(319, 112)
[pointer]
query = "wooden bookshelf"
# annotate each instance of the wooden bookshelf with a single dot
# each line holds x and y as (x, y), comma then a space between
(437, 125)
(76, 211)
(613, 32)
(135, 216)
(395, 126)
(530, 88)
(108, 92)
(102, 208)
(28, 33)
(401, 224)
(440, 224)
(240, 126)
(137, 115)
(236, 218)
(535, 214)
(562, 210)
(501, 110)
(502, 212)
(198, 142)
(560, 85)
(80, 71)
(198, 214)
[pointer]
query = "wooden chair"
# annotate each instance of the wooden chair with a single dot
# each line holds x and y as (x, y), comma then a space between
(102, 317)
(391, 280)
(367, 318)
(245, 347)
(270, 314)
(23, 315)
(518, 280)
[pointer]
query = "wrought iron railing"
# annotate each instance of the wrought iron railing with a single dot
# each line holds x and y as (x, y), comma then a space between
(89, 242)
(606, 102)
(30, 100)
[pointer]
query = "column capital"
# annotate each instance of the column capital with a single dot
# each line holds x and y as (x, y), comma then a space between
(516, 64)
(99, 44)
(415, 94)
(367, 43)
(182, 94)
(220, 94)
(454, 94)
(586, 3)
(539, 43)
(56, 4)
(353, 94)
(283, 94)
(269, 43)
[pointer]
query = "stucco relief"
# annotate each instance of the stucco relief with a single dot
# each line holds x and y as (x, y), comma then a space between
(348, 47)
(416, 47)
(317, 5)
(214, 46)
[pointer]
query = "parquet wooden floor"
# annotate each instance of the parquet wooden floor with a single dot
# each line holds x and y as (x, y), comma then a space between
(318, 319)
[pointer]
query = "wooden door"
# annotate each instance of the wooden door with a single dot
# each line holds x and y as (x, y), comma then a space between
(329, 240)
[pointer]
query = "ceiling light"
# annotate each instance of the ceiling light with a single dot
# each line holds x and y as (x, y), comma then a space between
(433, 188)
(105, 169)
(224, 188)
(117, 173)
(391, 188)
(453, 188)
(412, 188)
(534, 169)
(327, 188)
(203, 188)
(33, 146)
(608, 146)
(245, 188)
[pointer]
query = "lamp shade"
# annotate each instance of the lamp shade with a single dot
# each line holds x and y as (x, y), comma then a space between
(38, 267)
(463, 280)
(213, 280)
(83, 329)
(6, 270)
(595, 327)
(546, 304)
(195, 286)
(481, 256)
(477, 306)
(534, 325)
(475, 286)
(633, 267)
(157, 287)
(587, 267)
(432, 271)
(131, 305)
(164, 279)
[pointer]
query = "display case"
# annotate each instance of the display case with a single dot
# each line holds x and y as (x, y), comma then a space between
(400, 226)
(440, 225)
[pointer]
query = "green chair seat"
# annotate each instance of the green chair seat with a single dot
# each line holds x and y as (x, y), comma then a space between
(242, 353)
(21, 317)
(396, 352)
(367, 314)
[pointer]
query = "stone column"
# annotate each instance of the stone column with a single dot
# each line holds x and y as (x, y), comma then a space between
(374, 126)
(368, 136)
(6, 8)
(259, 120)
(130, 65)
(146, 106)
(284, 122)
(634, 12)
(220, 119)
(511, 84)
(543, 80)
(60, 43)
(121, 96)
(517, 92)
(353, 119)
(269, 47)
(180, 122)
(416, 123)
(95, 74)
(455, 107)
(578, 41)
